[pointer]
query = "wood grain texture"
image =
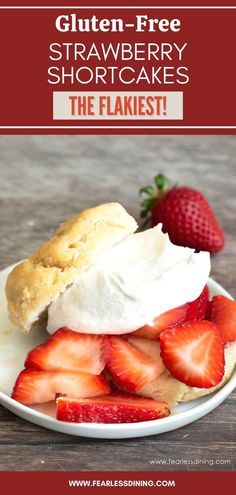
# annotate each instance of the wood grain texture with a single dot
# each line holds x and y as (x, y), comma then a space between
(44, 180)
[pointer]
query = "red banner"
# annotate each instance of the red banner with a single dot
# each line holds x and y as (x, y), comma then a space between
(113, 70)
(86, 483)
(125, 3)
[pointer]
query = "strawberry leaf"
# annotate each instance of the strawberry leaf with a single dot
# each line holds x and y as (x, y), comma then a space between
(148, 190)
(161, 182)
(147, 203)
(155, 194)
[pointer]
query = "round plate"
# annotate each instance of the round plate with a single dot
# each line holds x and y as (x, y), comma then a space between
(13, 349)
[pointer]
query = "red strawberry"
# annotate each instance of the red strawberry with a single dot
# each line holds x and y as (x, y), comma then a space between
(197, 309)
(185, 214)
(35, 387)
(150, 348)
(66, 350)
(113, 408)
(194, 353)
(128, 367)
(166, 320)
(223, 313)
(209, 310)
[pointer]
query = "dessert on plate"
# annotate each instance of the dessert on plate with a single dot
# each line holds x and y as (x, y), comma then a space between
(132, 330)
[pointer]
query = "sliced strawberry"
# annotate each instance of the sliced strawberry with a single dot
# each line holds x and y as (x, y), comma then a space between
(151, 349)
(35, 387)
(209, 311)
(128, 367)
(66, 350)
(166, 320)
(197, 309)
(223, 313)
(113, 408)
(194, 353)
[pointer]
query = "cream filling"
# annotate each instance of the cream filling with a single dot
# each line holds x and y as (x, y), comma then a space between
(132, 283)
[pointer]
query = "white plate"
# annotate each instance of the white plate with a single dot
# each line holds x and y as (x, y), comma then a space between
(13, 349)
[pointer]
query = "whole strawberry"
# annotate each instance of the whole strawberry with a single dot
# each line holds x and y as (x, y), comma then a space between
(185, 214)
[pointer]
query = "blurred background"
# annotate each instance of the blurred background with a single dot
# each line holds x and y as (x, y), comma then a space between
(46, 179)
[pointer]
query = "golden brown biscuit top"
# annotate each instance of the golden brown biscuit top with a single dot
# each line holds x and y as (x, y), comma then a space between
(77, 244)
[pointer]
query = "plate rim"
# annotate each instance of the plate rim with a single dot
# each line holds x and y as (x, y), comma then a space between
(139, 429)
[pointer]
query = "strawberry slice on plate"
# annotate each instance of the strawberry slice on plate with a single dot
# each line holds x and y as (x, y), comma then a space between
(113, 408)
(166, 320)
(66, 350)
(223, 313)
(35, 387)
(209, 311)
(151, 349)
(194, 353)
(197, 310)
(129, 368)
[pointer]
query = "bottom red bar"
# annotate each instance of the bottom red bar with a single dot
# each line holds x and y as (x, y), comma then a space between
(86, 483)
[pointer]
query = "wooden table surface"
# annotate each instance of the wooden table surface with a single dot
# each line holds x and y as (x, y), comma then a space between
(44, 180)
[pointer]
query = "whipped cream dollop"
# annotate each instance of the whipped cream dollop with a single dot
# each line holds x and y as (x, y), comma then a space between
(132, 283)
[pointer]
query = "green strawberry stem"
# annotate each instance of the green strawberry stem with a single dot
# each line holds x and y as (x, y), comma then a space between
(154, 194)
